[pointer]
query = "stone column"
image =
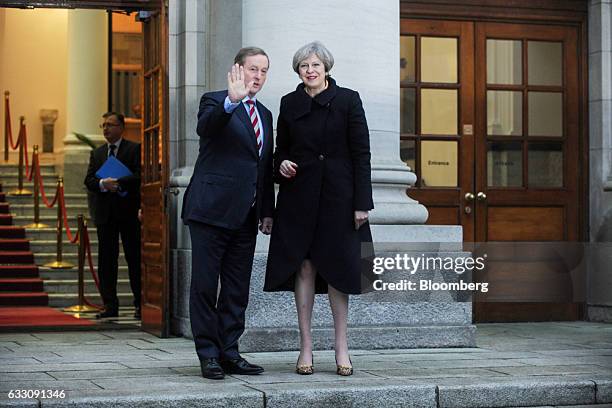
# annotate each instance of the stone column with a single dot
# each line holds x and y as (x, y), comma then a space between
(87, 91)
(364, 38)
(599, 302)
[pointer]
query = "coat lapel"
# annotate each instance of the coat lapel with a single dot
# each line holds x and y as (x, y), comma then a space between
(302, 102)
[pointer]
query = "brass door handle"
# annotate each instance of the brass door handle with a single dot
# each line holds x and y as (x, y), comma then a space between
(481, 196)
(469, 197)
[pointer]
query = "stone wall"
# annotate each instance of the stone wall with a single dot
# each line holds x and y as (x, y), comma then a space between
(600, 158)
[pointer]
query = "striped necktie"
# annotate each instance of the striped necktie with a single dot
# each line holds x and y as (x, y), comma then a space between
(255, 123)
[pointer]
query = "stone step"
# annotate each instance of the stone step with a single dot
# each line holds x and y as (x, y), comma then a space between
(10, 231)
(68, 299)
(16, 257)
(49, 234)
(6, 219)
(7, 173)
(13, 177)
(15, 244)
(28, 209)
(48, 184)
(21, 285)
(46, 246)
(22, 220)
(71, 199)
(23, 299)
(42, 258)
(279, 387)
(18, 271)
(14, 166)
(71, 286)
(72, 274)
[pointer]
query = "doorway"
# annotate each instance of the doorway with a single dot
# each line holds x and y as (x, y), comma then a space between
(152, 132)
(491, 127)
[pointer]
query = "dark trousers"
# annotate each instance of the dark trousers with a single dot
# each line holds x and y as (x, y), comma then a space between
(225, 256)
(108, 254)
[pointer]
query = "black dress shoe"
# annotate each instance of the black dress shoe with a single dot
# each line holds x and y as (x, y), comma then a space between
(108, 313)
(240, 366)
(211, 369)
(137, 314)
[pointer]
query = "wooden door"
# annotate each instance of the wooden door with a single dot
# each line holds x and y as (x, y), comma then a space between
(527, 167)
(437, 117)
(155, 270)
(490, 125)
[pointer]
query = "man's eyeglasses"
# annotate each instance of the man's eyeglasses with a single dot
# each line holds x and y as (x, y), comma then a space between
(106, 125)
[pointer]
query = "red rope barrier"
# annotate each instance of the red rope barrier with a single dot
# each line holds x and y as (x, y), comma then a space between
(42, 190)
(25, 148)
(35, 162)
(91, 267)
(62, 203)
(7, 120)
(90, 258)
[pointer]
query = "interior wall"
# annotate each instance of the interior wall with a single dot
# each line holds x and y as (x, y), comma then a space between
(33, 51)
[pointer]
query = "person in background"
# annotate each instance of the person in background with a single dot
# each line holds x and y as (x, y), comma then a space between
(116, 213)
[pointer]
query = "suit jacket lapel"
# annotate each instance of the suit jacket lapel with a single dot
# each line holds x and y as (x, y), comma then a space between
(266, 127)
(103, 154)
(246, 121)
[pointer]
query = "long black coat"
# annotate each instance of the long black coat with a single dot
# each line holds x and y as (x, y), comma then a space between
(327, 136)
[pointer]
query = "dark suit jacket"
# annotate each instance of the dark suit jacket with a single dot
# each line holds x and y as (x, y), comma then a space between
(109, 205)
(229, 173)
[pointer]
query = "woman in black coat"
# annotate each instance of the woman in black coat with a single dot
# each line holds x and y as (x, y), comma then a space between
(322, 163)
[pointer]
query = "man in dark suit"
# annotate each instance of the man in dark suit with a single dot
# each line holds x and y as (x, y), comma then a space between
(116, 213)
(230, 194)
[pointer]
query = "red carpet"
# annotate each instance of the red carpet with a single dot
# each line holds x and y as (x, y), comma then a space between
(37, 316)
(23, 301)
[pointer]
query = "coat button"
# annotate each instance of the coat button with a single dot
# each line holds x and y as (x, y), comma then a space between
(321, 157)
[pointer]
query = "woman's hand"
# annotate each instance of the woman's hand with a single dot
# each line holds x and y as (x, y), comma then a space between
(360, 218)
(288, 169)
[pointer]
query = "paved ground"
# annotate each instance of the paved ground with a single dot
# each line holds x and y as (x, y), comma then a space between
(524, 364)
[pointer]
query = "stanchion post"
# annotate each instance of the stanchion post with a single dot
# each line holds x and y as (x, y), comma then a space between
(20, 190)
(6, 126)
(35, 164)
(81, 307)
(59, 263)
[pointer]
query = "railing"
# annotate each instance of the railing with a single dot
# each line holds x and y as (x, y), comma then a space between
(33, 174)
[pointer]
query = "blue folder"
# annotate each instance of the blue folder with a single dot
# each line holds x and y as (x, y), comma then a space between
(112, 167)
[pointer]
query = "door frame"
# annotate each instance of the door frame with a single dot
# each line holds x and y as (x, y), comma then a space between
(125, 5)
(544, 12)
(155, 177)
(163, 329)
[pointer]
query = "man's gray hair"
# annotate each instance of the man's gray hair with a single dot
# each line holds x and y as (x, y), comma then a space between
(317, 48)
(245, 52)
